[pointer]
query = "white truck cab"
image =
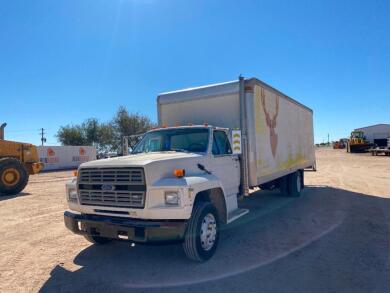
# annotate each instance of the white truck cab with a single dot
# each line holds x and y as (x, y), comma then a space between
(150, 195)
(182, 183)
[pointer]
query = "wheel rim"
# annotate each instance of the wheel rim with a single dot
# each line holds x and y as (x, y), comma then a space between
(10, 177)
(299, 182)
(208, 232)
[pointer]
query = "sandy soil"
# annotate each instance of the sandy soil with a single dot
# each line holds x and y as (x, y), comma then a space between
(334, 238)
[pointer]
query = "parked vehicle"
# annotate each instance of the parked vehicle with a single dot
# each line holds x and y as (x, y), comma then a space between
(358, 143)
(18, 160)
(181, 183)
(339, 144)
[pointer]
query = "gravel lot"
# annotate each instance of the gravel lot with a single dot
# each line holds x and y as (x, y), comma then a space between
(334, 238)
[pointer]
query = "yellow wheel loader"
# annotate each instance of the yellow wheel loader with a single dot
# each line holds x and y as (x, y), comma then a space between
(17, 161)
(357, 143)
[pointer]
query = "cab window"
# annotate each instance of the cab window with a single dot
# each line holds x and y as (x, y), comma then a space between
(221, 144)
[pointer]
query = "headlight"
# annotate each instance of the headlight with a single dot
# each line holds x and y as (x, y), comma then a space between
(172, 198)
(72, 195)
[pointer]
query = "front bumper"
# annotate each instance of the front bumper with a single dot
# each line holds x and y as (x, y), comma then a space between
(125, 228)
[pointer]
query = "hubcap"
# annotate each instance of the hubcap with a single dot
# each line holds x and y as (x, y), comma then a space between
(208, 231)
(299, 183)
(10, 177)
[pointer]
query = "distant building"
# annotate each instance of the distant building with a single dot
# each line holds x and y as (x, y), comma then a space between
(378, 133)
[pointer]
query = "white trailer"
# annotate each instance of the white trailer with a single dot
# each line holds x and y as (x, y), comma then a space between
(183, 180)
(65, 157)
(277, 131)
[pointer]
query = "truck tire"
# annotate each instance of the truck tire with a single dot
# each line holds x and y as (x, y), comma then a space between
(97, 239)
(295, 181)
(283, 185)
(202, 235)
(13, 176)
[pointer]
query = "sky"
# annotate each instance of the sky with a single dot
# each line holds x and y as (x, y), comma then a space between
(64, 61)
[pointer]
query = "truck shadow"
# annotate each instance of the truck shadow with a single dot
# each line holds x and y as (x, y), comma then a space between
(6, 197)
(295, 237)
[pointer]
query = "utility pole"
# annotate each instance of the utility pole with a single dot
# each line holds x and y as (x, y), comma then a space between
(43, 139)
(328, 139)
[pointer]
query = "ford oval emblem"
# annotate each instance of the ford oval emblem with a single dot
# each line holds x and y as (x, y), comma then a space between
(108, 187)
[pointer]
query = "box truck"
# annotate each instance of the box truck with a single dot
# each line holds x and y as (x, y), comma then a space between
(186, 178)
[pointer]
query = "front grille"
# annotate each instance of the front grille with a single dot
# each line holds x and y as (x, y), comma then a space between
(112, 175)
(122, 199)
(112, 187)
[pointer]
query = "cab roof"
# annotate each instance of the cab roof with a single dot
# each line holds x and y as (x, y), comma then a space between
(188, 126)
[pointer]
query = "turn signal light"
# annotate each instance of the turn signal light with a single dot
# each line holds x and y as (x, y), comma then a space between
(75, 173)
(179, 173)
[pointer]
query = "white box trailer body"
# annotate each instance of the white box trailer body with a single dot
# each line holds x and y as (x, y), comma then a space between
(65, 157)
(277, 131)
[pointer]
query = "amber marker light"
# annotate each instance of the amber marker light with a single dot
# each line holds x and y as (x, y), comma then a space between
(179, 173)
(75, 173)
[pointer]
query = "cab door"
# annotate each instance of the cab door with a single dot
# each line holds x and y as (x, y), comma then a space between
(225, 165)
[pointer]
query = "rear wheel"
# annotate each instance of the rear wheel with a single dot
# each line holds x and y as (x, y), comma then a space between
(295, 183)
(13, 176)
(201, 239)
(97, 239)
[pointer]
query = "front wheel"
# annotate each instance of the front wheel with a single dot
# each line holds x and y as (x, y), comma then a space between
(13, 176)
(201, 239)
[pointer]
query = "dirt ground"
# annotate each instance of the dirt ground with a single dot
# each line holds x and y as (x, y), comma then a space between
(334, 238)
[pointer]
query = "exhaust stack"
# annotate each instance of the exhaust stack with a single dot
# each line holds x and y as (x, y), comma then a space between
(2, 130)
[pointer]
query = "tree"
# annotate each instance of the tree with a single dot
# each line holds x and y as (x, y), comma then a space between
(130, 124)
(127, 124)
(91, 130)
(105, 136)
(71, 135)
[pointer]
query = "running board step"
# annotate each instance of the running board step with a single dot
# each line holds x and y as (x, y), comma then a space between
(234, 215)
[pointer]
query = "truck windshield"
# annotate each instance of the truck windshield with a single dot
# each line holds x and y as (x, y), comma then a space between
(180, 140)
